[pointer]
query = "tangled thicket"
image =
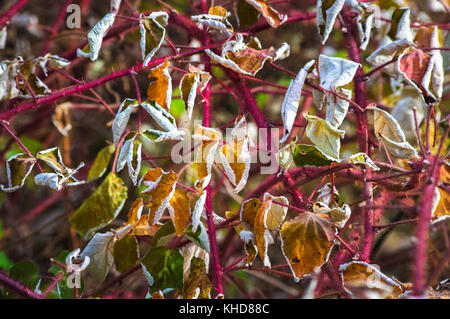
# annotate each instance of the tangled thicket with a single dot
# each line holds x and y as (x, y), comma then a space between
(224, 149)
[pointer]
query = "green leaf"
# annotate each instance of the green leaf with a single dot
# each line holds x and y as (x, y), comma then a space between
(33, 146)
(101, 207)
(200, 237)
(126, 253)
(309, 155)
(101, 162)
(323, 135)
(55, 269)
(26, 273)
(197, 285)
(164, 234)
(5, 262)
(163, 268)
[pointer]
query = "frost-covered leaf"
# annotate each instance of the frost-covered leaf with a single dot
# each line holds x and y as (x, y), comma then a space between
(246, 59)
(364, 24)
(99, 209)
(52, 60)
(157, 136)
(198, 237)
(122, 117)
(339, 215)
(160, 87)
(327, 12)
(95, 37)
(131, 154)
(199, 205)
(135, 216)
(310, 155)
(28, 80)
(126, 253)
(100, 252)
(325, 136)
(364, 159)
(400, 25)
(336, 108)
(204, 156)
(216, 19)
(153, 31)
(291, 100)
(389, 131)
(272, 16)
(18, 167)
(164, 119)
(285, 156)
(101, 162)
(235, 155)
(269, 217)
(161, 187)
(197, 284)
(336, 72)
(163, 268)
(362, 280)
(62, 176)
(8, 73)
(195, 80)
(180, 210)
(306, 242)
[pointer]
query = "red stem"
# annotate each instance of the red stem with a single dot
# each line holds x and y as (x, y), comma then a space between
(5, 19)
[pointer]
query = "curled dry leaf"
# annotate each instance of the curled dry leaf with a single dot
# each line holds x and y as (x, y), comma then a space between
(246, 58)
(216, 19)
(389, 131)
(122, 117)
(160, 88)
(362, 280)
(206, 151)
(291, 100)
(195, 80)
(153, 31)
(306, 242)
(325, 136)
(327, 12)
(272, 16)
(130, 154)
(403, 112)
(161, 187)
(236, 156)
(18, 167)
(269, 217)
(8, 73)
(95, 37)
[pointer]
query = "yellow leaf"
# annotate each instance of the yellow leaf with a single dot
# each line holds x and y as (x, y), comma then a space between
(161, 187)
(160, 89)
(204, 157)
(306, 242)
(442, 207)
(248, 212)
(180, 210)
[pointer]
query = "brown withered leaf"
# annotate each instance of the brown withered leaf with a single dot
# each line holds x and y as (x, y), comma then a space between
(306, 242)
